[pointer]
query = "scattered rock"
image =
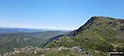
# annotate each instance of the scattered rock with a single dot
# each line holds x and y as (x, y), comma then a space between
(42, 55)
(89, 54)
(0, 54)
(47, 49)
(78, 49)
(63, 48)
(35, 52)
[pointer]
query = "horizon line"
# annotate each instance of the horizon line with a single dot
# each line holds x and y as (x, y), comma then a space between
(45, 28)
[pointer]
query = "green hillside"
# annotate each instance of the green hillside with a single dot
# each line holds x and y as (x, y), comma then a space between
(19, 40)
(98, 36)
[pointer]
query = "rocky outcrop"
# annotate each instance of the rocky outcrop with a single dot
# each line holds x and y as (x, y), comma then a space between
(35, 50)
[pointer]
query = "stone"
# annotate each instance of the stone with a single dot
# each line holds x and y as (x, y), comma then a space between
(63, 48)
(35, 52)
(78, 49)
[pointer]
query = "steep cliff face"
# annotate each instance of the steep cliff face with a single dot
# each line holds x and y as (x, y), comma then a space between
(98, 36)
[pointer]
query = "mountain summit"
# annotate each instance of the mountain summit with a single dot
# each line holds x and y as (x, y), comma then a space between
(98, 35)
(104, 23)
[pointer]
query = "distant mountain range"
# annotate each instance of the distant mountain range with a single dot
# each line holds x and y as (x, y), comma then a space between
(5, 30)
(19, 37)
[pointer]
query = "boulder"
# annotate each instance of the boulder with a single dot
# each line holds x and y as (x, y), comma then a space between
(63, 48)
(78, 49)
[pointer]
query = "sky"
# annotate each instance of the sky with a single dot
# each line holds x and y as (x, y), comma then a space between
(56, 14)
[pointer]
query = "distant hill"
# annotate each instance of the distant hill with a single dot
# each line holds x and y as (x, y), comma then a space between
(23, 39)
(98, 36)
(6, 30)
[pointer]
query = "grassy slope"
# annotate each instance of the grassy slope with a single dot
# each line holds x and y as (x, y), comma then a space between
(19, 40)
(97, 37)
(102, 35)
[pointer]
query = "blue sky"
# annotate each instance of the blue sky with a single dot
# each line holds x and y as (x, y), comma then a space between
(56, 14)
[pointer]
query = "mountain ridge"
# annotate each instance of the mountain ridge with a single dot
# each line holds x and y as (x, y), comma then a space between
(96, 37)
(95, 34)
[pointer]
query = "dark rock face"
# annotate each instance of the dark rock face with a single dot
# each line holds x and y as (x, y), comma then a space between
(110, 22)
(85, 26)
(54, 38)
(90, 21)
(121, 27)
